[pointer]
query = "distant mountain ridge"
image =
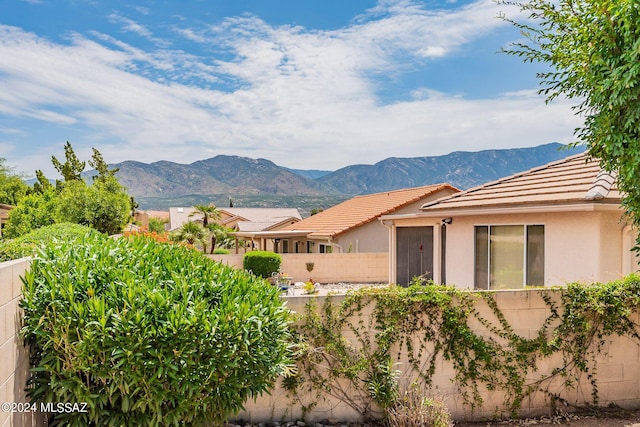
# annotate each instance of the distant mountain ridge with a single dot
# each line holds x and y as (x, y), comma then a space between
(241, 176)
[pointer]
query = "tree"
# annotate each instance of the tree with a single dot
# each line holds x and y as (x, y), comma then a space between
(97, 162)
(72, 168)
(104, 206)
(42, 184)
(33, 211)
(207, 211)
(12, 187)
(594, 50)
(219, 234)
(191, 232)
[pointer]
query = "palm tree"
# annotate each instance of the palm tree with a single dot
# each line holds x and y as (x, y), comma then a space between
(190, 232)
(207, 211)
(218, 234)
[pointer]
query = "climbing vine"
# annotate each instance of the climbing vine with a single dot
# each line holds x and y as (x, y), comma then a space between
(362, 349)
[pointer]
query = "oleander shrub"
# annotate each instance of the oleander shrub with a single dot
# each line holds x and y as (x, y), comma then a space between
(148, 333)
(28, 244)
(262, 263)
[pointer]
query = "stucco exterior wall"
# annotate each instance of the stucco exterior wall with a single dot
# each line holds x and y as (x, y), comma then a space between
(579, 246)
(374, 236)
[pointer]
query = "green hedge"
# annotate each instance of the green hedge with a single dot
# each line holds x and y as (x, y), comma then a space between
(262, 263)
(148, 333)
(28, 244)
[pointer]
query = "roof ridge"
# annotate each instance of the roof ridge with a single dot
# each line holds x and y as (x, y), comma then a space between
(397, 190)
(601, 186)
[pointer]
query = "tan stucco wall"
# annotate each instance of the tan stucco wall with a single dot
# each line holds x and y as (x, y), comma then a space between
(14, 358)
(618, 373)
(327, 268)
(579, 246)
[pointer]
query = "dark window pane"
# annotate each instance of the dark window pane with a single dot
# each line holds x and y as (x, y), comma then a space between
(535, 255)
(482, 257)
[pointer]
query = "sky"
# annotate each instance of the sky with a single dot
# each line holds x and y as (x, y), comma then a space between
(307, 84)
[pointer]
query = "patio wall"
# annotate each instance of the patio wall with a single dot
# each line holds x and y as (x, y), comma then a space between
(328, 268)
(618, 371)
(14, 360)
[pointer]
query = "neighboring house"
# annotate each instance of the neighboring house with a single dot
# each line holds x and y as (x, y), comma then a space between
(142, 217)
(551, 225)
(4, 215)
(240, 219)
(351, 226)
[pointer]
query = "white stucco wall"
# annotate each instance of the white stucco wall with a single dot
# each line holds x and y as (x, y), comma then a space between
(579, 246)
(374, 236)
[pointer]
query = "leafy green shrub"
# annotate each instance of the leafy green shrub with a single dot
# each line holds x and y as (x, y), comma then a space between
(27, 244)
(262, 263)
(148, 333)
(221, 251)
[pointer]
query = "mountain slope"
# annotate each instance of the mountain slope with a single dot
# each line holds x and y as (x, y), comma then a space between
(218, 175)
(461, 169)
(234, 176)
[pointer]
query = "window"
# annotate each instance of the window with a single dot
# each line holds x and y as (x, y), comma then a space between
(325, 249)
(509, 256)
(285, 246)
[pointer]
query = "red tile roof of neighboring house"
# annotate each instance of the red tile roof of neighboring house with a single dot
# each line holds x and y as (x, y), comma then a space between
(362, 209)
(575, 179)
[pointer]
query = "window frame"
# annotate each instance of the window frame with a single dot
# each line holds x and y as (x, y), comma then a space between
(525, 253)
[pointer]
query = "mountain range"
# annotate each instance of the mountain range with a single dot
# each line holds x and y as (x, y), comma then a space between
(162, 184)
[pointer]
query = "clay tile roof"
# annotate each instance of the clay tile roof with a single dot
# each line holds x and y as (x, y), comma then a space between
(575, 179)
(361, 210)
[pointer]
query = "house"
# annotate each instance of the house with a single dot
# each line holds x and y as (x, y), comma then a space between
(249, 220)
(4, 215)
(351, 226)
(558, 223)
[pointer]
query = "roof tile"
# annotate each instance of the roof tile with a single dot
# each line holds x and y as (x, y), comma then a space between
(360, 210)
(574, 179)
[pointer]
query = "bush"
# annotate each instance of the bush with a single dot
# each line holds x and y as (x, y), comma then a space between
(221, 251)
(28, 244)
(148, 333)
(262, 263)
(414, 410)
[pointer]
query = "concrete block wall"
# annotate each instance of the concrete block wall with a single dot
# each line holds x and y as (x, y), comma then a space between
(617, 370)
(14, 359)
(328, 268)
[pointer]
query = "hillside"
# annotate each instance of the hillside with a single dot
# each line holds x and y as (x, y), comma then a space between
(161, 184)
(461, 169)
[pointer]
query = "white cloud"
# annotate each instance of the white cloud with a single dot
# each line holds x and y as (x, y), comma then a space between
(303, 99)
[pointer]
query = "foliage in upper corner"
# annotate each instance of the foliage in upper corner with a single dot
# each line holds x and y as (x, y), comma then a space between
(148, 333)
(424, 325)
(104, 205)
(29, 244)
(12, 187)
(592, 47)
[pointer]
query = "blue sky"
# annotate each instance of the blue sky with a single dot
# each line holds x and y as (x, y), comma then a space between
(309, 84)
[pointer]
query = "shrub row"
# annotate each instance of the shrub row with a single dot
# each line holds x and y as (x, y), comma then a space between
(28, 244)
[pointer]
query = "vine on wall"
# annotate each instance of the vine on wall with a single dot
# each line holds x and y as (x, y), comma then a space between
(351, 350)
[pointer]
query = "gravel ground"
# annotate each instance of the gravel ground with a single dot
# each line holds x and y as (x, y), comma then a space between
(604, 418)
(331, 288)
